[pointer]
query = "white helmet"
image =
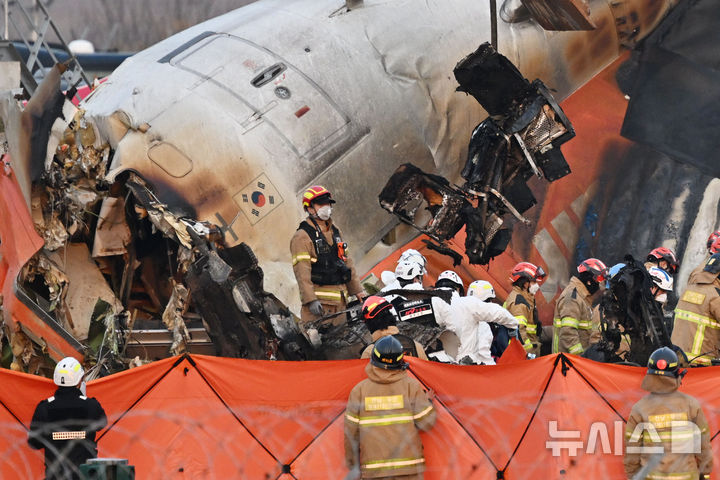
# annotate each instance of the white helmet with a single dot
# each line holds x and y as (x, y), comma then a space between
(452, 276)
(68, 372)
(408, 270)
(411, 255)
(482, 290)
(661, 278)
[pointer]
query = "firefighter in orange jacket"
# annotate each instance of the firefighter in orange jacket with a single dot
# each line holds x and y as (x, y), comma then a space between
(667, 423)
(697, 315)
(572, 322)
(325, 274)
(526, 279)
(383, 416)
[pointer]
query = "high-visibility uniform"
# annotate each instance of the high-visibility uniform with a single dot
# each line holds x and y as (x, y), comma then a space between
(383, 416)
(521, 304)
(333, 297)
(697, 318)
(673, 424)
(572, 321)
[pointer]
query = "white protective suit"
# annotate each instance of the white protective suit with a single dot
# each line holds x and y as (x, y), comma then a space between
(468, 318)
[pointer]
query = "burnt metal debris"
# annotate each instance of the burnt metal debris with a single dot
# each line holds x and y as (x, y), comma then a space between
(122, 276)
(629, 310)
(521, 138)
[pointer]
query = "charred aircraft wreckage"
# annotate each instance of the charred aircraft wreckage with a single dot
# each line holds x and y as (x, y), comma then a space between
(133, 240)
(521, 138)
(118, 264)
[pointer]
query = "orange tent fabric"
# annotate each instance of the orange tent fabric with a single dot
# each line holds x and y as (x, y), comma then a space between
(217, 418)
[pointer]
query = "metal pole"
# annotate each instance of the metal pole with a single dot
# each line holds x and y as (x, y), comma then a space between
(5, 10)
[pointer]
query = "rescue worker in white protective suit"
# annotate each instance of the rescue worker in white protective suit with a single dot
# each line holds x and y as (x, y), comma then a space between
(408, 256)
(468, 318)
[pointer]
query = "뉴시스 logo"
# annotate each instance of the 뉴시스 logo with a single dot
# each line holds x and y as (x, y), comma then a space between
(682, 436)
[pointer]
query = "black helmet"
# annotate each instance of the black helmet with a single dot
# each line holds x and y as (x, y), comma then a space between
(663, 361)
(388, 354)
(713, 264)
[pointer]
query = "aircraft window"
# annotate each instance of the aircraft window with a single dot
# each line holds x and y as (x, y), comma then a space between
(267, 75)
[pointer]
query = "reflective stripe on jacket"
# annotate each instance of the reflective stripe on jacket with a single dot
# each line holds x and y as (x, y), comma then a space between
(572, 321)
(521, 304)
(382, 420)
(673, 424)
(696, 329)
(302, 251)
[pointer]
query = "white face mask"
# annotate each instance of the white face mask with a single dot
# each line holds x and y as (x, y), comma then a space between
(83, 387)
(324, 212)
(534, 287)
(662, 298)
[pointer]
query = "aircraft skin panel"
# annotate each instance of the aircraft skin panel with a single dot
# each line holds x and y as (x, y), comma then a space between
(399, 54)
(384, 71)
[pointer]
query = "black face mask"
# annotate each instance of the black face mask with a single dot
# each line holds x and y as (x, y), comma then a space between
(592, 286)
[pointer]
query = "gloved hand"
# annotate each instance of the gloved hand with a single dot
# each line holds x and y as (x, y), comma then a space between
(513, 333)
(316, 308)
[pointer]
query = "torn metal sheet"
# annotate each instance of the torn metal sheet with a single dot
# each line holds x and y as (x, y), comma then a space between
(173, 319)
(86, 285)
(112, 234)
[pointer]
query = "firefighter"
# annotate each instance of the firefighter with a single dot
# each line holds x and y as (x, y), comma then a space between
(664, 258)
(526, 279)
(383, 416)
(66, 423)
(572, 321)
(381, 319)
(713, 247)
(324, 273)
(669, 422)
(697, 316)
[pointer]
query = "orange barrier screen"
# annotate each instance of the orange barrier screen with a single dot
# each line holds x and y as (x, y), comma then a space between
(219, 418)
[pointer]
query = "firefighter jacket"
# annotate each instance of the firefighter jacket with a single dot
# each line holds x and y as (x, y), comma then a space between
(382, 419)
(697, 318)
(305, 257)
(572, 321)
(521, 304)
(468, 318)
(674, 424)
(65, 426)
(417, 349)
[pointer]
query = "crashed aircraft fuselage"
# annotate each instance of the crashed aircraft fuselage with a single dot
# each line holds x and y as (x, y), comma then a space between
(220, 127)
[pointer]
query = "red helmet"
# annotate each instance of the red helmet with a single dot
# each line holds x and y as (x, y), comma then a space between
(711, 239)
(373, 305)
(527, 270)
(662, 253)
(313, 193)
(596, 267)
(715, 246)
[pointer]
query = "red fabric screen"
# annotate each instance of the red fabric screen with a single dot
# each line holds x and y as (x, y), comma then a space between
(210, 417)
